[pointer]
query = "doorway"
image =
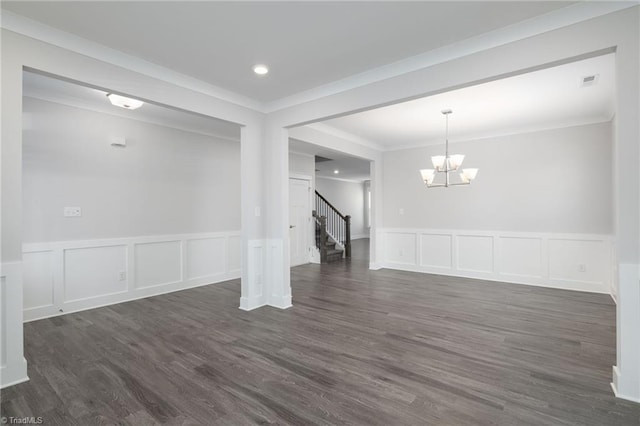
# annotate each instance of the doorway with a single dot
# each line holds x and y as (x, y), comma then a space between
(299, 219)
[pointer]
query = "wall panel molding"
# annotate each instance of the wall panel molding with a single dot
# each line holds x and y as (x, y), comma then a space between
(69, 276)
(13, 366)
(580, 262)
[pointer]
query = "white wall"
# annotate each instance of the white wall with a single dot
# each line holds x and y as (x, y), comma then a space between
(166, 181)
(303, 164)
(160, 215)
(550, 181)
(539, 213)
(348, 198)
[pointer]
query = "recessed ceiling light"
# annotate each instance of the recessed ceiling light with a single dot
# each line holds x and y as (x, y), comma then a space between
(336, 172)
(260, 69)
(124, 102)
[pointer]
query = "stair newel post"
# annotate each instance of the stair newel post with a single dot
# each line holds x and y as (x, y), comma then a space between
(347, 242)
(323, 239)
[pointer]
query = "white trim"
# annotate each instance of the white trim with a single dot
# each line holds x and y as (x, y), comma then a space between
(564, 17)
(310, 221)
(13, 368)
(304, 154)
(339, 133)
(616, 378)
(299, 176)
(359, 236)
(404, 250)
(39, 31)
(498, 134)
(342, 179)
(249, 304)
(132, 288)
(116, 113)
(280, 302)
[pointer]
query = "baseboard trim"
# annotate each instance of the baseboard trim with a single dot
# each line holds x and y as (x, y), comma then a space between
(616, 379)
(488, 276)
(280, 302)
(129, 297)
(17, 375)
(249, 304)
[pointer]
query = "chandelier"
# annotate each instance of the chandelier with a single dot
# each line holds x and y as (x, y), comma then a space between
(446, 165)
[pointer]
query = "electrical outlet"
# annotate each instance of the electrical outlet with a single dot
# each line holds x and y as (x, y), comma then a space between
(72, 212)
(122, 275)
(401, 212)
(582, 267)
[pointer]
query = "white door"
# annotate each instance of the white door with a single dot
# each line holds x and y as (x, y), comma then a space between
(299, 220)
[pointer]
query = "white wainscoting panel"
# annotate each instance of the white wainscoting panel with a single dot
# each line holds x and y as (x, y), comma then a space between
(578, 263)
(68, 276)
(521, 257)
(253, 295)
(37, 279)
(207, 257)
(436, 250)
(569, 261)
(91, 272)
(13, 366)
(401, 248)
(475, 253)
(3, 321)
(158, 263)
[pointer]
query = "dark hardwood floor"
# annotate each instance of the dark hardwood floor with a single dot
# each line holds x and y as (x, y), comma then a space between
(358, 347)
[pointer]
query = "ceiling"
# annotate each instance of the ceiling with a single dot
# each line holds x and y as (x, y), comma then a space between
(544, 99)
(59, 91)
(349, 168)
(306, 44)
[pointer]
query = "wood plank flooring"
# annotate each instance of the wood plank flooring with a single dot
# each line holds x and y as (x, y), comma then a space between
(358, 347)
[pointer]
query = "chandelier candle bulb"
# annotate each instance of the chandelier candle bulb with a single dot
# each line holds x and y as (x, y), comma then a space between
(447, 164)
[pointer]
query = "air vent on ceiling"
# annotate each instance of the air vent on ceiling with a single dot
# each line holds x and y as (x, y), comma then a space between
(589, 80)
(320, 159)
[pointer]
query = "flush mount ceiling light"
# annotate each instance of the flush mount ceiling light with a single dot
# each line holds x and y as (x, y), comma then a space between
(335, 172)
(447, 164)
(124, 102)
(260, 69)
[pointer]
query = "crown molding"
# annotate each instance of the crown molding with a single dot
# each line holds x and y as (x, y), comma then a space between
(333, 131)
(343, 179)
(504, 133)
(39, 31)
(554, 20)
(569, 15)
(40, 96)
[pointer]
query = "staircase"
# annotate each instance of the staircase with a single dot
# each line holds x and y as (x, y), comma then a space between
(333, 231)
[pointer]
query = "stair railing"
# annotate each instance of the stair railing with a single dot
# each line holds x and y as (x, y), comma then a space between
(337, 224)
(321, 236)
